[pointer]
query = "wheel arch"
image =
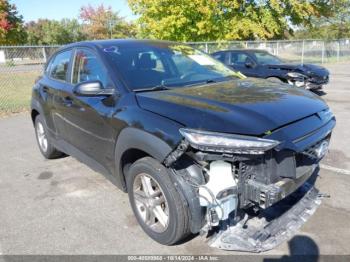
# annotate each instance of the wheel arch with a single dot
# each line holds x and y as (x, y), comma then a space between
(35, 110)
(133, 144)
(34, 113)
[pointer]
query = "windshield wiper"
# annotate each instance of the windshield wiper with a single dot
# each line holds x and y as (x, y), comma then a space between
(162, 86)
(209, 81)
(155, 88)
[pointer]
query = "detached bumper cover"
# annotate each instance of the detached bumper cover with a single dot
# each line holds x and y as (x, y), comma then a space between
(272, 228)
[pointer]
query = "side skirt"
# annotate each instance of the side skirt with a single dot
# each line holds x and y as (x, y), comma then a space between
(68, 149)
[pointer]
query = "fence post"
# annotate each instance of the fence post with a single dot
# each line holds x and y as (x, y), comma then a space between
(44, 55)
(338, 50)
(206, 47)
(302, 52)
(323, 52)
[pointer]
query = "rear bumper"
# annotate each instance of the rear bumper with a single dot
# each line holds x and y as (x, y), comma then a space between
(273, 227)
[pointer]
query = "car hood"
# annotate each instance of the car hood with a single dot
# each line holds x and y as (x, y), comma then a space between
(307, 69)
(250, 106)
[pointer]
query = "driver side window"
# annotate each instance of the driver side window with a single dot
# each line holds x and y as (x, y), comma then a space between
(239, 59)
(87, 67)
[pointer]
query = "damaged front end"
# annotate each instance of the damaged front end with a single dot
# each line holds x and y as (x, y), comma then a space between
(245, 193)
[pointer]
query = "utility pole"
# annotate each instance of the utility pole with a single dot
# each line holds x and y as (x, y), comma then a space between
(302, 52)
(111, 23)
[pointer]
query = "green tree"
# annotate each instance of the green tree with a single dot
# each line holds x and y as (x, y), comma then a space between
(51, 32)
(11, 25)
(336, 25)
(103, 23)
(203, 20)
(74, 30)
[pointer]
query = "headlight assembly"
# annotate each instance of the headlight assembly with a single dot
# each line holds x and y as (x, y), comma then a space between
(227, 143)
(296, 75)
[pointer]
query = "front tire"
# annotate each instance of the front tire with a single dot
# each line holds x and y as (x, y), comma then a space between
(156, 203)
(45, 146)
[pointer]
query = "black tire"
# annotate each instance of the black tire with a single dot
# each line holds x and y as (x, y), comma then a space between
(48, 151)
(178, 213)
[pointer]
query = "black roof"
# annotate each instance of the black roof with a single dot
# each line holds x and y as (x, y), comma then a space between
(111, 42)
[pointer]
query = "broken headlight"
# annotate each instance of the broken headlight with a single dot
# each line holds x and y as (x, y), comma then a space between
(227, 143)
(296, 75)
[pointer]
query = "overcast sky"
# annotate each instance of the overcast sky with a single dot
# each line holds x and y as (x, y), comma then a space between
(58, 9)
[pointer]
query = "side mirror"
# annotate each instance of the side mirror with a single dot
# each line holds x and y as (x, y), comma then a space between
(249, 64)
(93, 88)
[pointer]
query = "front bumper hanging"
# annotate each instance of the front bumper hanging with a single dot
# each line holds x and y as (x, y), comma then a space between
(272, 227)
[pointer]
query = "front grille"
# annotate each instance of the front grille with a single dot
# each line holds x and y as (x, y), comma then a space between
(311, 151)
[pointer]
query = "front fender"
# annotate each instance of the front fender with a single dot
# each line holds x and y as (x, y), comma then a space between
(133, 138)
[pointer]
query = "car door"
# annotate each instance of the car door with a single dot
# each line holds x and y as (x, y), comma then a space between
(87, 119)
(242, 62)
(54, 86)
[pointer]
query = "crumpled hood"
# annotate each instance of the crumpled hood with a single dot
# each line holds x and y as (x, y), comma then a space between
(250, 106)
(307, 69)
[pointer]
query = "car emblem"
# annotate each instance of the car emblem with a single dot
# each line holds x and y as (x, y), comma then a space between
(322, 149)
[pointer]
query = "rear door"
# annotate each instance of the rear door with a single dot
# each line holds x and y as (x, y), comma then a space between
(87, 119)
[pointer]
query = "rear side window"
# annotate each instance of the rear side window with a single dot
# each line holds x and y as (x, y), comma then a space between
(87, 67)
(59, 66)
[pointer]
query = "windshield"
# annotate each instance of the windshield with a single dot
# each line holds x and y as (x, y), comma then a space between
(265, 58)
(145, 66)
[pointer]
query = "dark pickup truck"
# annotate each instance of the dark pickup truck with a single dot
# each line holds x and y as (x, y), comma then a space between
(198, 147)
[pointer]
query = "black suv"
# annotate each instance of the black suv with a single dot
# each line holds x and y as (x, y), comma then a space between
(198, 147)
(261, 64)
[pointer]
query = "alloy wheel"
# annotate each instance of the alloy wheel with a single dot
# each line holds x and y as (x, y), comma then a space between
(151, 203)
(42, 138)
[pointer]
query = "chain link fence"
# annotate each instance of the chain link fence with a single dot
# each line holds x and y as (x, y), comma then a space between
(299, 51)
(21, 65)
(19, 68)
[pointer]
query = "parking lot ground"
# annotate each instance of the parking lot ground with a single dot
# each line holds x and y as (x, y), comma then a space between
(63, 207)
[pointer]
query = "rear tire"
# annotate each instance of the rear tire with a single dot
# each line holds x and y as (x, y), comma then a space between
(43, 140)
(156, 203)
